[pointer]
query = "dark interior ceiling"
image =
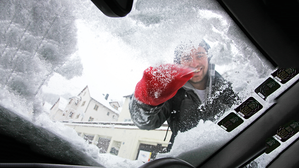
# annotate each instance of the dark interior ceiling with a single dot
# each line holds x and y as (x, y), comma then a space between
(272, 25)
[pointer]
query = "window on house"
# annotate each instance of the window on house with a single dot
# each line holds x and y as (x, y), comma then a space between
(108, 113)
(115, 147)
(148, 152)
(71, 114)
(88, 138)
(90, 119)
(115, 107)
(103, 144)
(96, 107)
(83, 103)
(128, 120)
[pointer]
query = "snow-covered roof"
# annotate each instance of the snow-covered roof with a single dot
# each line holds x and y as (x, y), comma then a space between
(99, 97)
(127, 96)
(112, 102)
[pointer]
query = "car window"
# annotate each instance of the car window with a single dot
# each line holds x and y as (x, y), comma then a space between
(66, 66)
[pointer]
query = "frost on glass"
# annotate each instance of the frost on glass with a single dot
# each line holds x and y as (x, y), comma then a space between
(37, 40)
(41, 38)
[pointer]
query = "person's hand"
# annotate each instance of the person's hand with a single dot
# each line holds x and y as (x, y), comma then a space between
(161, 83)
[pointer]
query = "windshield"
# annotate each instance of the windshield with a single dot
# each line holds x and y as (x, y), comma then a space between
(67, 67)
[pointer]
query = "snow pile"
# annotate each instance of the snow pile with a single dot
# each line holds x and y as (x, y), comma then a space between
(197, 144)
(57, 140)
(70, 135)
(16, 102)
(206, 134)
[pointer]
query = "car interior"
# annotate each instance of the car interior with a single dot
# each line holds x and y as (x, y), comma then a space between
(271, 25)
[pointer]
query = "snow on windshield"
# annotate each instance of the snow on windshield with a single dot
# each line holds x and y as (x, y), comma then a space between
(74, 40)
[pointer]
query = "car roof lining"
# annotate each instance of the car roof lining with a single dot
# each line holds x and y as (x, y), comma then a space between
(287, 158)
(274, 34)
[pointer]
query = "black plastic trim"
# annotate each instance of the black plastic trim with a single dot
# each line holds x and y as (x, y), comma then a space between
(252, 140)
(267, 33)
(113, 8)
(287, 158)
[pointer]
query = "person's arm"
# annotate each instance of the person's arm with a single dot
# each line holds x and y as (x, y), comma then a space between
(149, 117)
(150, 106)
(222, 99)
(227, 94)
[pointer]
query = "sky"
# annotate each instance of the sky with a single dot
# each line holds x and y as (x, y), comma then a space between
(107, 63)
(112, 65)
(109, 67)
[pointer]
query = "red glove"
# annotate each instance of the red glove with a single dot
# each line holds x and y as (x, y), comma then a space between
(161, 83)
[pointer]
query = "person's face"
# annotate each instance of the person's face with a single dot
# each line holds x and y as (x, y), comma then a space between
(197, 59)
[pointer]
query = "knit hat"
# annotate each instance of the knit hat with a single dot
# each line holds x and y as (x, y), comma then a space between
(186, 48)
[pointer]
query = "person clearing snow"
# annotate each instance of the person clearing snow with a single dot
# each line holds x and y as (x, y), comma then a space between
(181, 93)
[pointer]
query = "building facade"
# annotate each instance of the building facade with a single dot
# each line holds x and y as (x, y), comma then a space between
(100, 124)
(83, 107)
(57, 110)
(123, 138)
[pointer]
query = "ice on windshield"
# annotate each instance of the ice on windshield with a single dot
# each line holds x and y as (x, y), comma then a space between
(56, 48)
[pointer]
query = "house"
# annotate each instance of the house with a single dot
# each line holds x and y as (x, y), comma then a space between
(57, 110)
(84, 107)
(46, 107)
(125, 115)
(99, 122)
(123, 138)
